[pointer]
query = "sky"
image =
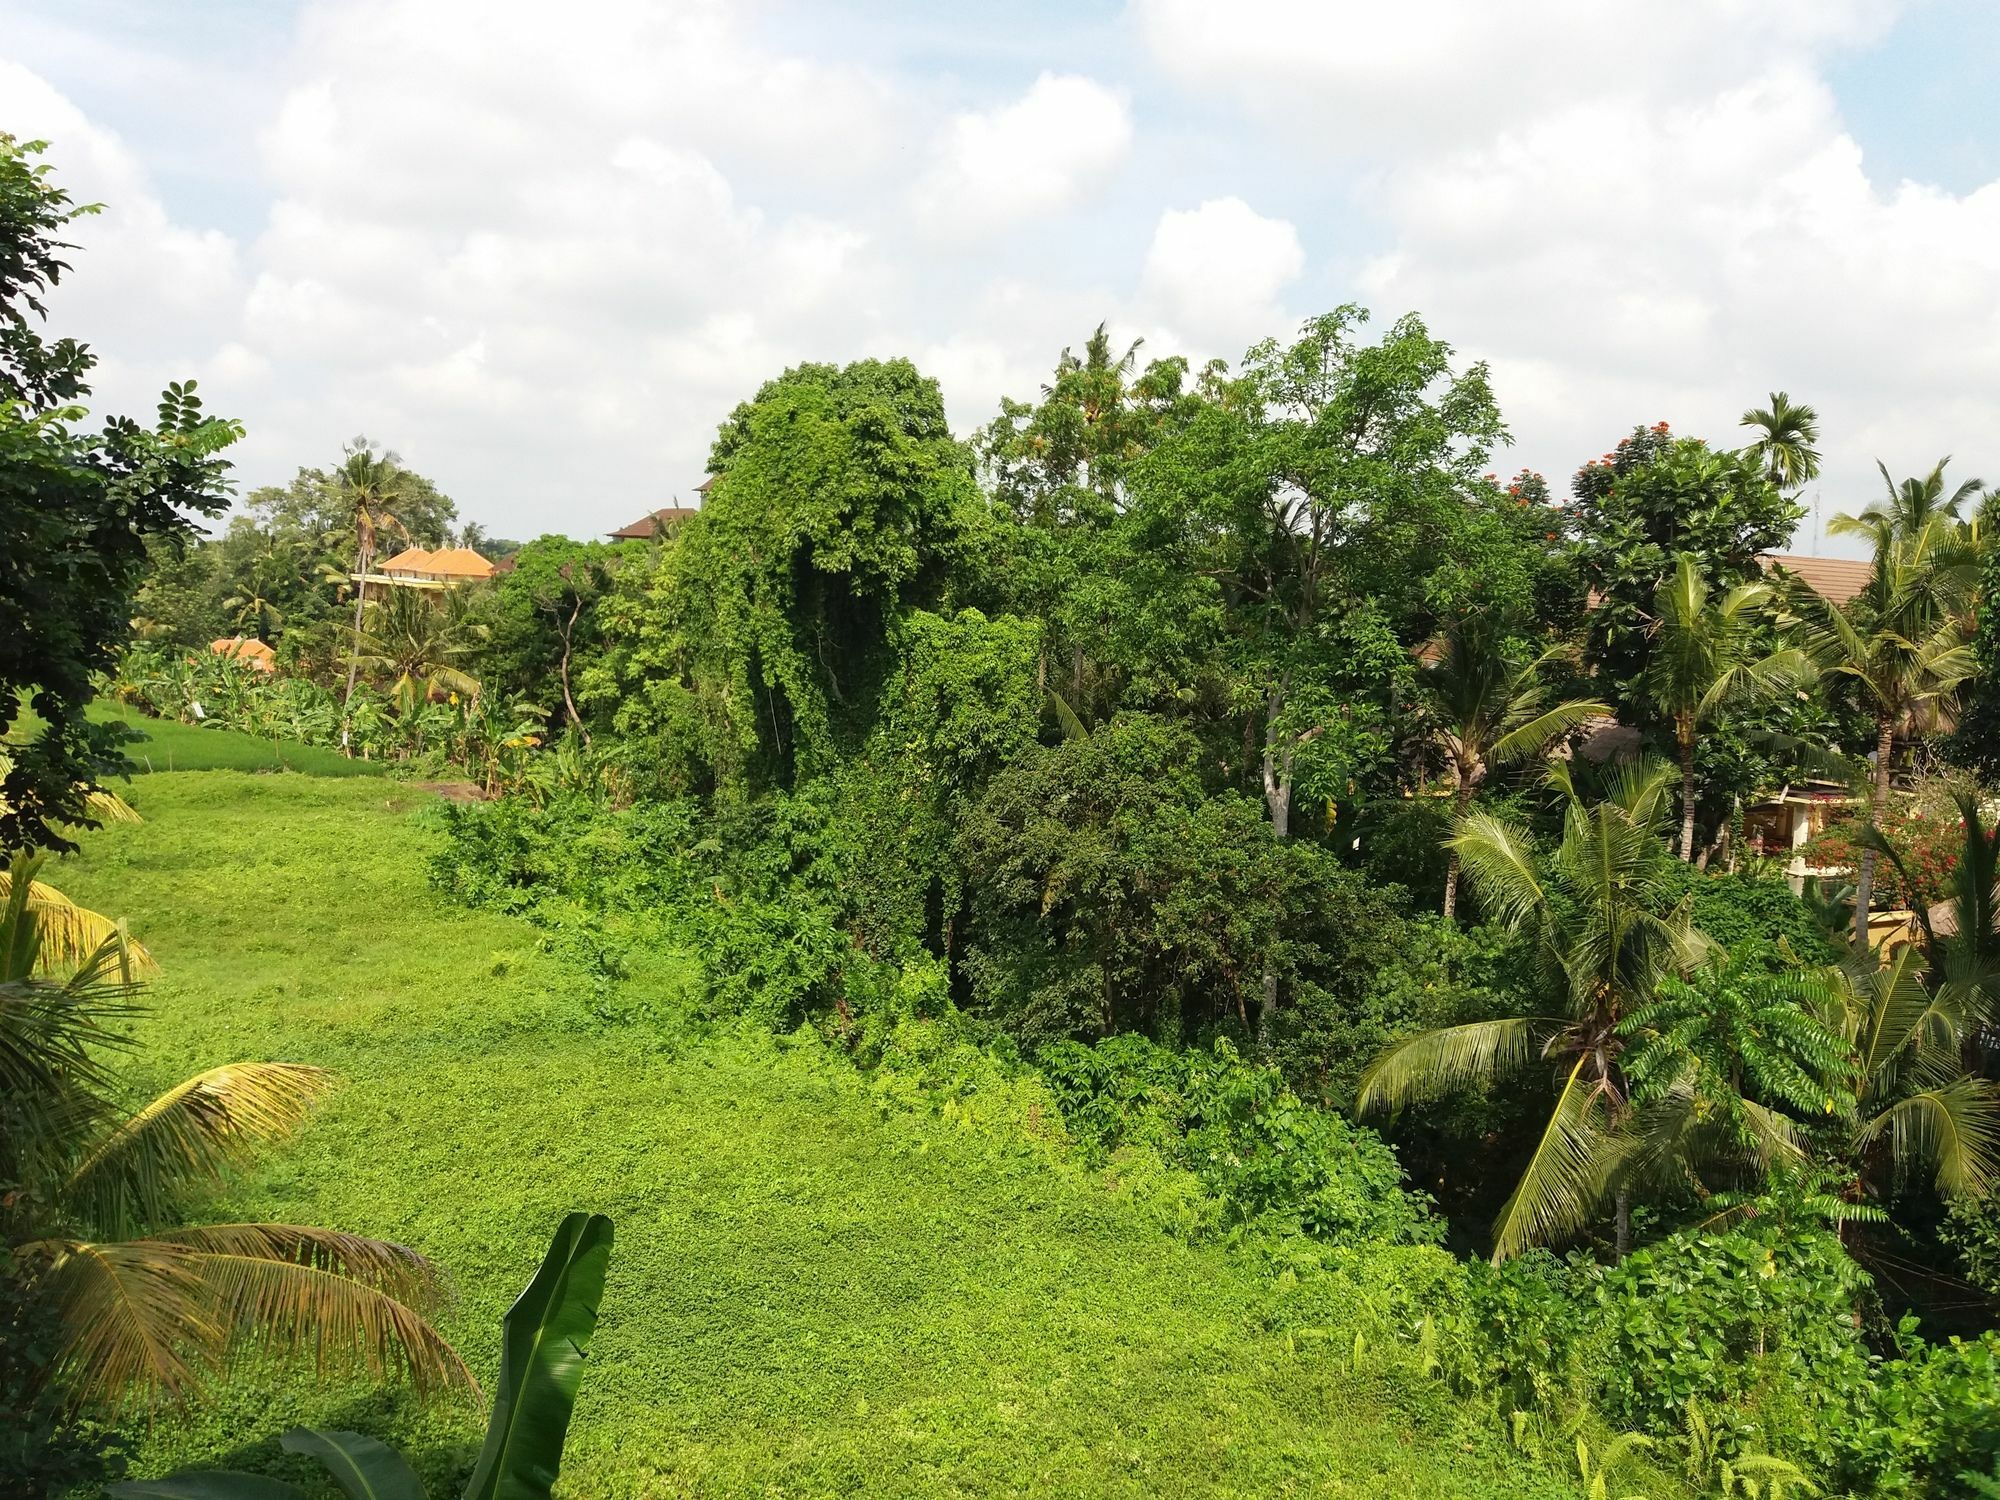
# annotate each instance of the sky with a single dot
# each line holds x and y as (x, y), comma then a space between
(541, 251)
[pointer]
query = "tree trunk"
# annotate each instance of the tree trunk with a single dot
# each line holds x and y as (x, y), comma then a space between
(1685, 737)
(1277, 768)
(1461, 799)
(1624, 1224)
(354, 646)
(1878, 796)
(1278, 799)
(569, 703)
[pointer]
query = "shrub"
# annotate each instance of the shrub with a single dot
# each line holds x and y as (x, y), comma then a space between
(1272, 1160)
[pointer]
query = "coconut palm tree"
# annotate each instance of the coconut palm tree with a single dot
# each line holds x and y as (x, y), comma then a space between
(93, 1227)
(1905, 639)
(1914, 1108)
(371, 484)
(415, 642)
(1784, 447)
(1608, 930)
(1707, 657)
(1910, 508)
(1487, 709)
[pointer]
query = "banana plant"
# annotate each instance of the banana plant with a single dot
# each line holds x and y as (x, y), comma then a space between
(544, 1339)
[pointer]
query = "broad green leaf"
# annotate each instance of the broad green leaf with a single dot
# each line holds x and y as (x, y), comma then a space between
(364, 1468)
(214, 1484)
(541, 1365)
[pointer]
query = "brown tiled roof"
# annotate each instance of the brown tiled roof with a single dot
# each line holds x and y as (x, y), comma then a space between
(650, 525)
(1835, 579)
(409, 560)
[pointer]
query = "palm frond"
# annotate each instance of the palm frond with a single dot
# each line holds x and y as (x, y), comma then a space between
(188, 1136)
(1953, 1129)
(1435, 1063)
(383, 1265)
(1544, 729)
(288, 1307)
(1565, 1179)
(136, 1321)
(1499, 861)
(70, 936)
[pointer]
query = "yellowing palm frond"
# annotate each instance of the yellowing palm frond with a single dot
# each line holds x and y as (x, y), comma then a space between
(71, 935)
(383, 1265)
(1565, 1180)
(187, 1136)
(1437, 1062)
(136, 1319)
(109, 807)
(290, 1306)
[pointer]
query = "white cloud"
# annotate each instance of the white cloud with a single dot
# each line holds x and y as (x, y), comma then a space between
(1380, 81)
(1214, 275)
(1039, 155)
(543, 261)
(1621, 264)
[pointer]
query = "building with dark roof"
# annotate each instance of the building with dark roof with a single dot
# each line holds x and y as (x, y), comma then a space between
(664, 522)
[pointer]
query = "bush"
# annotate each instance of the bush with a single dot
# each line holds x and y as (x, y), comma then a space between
(1757, 919)
(1270, 1159)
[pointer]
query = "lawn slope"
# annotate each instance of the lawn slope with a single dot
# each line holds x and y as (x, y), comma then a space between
(811, 1293)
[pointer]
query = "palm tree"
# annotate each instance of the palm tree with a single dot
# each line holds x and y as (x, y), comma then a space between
(1784, 447)
(371, 484)
(1487, 709)
(1910, 509)
(145, 1311)
(415, 642)
(1914, 1108)
(1905, 639)
(1608, 930)
(1714, 1064)
(1706, 658)
(1961, 943)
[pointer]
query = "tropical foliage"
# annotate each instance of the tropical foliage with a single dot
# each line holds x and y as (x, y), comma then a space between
(1211, 790)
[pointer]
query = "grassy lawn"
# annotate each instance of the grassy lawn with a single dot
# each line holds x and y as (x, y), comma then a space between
(810, 1294)
(165, 745)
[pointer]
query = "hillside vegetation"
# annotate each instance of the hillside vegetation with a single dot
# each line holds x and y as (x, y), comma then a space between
(816, 1290)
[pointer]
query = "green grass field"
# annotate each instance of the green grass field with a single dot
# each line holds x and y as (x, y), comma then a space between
(165, 745)
(811, 1293)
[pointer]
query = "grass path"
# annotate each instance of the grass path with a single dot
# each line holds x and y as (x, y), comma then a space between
(809, 1295)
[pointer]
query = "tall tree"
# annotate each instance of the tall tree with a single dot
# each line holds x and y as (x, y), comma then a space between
(79, 513)
(371, 486)
(1784, 447)
(1708, 656)
(1636, 509)
(1905, 640)
(1608, 930)
(1485, 708)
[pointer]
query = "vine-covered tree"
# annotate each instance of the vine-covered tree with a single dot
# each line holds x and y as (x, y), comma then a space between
(79, 513)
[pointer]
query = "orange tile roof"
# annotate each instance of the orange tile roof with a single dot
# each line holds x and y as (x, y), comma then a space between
(246, 649)
(460, 562)
(410, 559)
(1836, 579)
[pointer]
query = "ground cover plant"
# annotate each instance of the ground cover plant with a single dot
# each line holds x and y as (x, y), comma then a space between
(817, 1288)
